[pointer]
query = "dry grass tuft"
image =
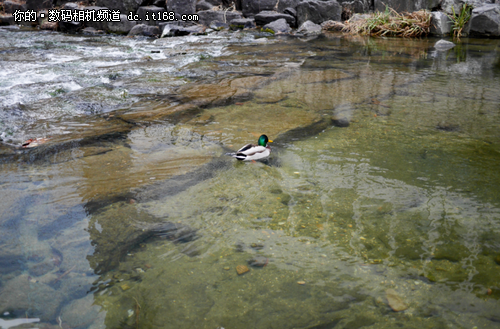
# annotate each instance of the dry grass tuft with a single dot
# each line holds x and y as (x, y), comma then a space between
(391, 23)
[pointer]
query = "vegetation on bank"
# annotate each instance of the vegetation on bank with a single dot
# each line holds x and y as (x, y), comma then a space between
(390, 23)
(459, 20)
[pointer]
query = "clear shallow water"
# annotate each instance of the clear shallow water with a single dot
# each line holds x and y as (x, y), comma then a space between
(404, 198)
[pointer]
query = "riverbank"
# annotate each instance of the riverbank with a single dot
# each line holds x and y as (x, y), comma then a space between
(178, 18)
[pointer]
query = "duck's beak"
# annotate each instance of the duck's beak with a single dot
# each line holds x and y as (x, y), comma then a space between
(269, 141)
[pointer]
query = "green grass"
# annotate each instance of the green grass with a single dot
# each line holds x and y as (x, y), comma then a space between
(460, 20)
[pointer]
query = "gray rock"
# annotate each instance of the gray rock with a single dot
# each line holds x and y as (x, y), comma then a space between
(203, 5)
(290, 11)
(160, 3)
(252, 7)
(340, 121)
(278, 26)
(215, 2)
(171, 30)
(397, 5)
(309, 28)
(71, 6)
(98, 25)
(88, 30)
(147, 13)
(181, 7)
(7, 20)
(217, 26)
(125, 6)
(38, 4)
(318, 11)
(70, 27)
(207, 16)
(485, 21)
(443, 45)
(242, 23)
(81, 313)
(447, 5)
(356, 6)
(9, 7)
(266, 17)
(49, 26)
(122, 27)
(440, 23)
(21, 293)
(146, 30)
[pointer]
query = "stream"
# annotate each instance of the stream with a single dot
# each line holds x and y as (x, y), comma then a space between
(379, 206)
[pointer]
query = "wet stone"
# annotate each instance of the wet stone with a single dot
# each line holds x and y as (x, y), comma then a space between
(258, 261)
(395, 302)
(242, 269)
(257, 246)
(340, 121)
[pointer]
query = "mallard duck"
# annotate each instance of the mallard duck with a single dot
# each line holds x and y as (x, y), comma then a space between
(251, 152)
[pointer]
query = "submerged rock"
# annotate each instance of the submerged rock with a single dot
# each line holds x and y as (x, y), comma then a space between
(395, 302)
(82, 313)
(258, 261)
(22, 294)
(242, 269)
(340, 121)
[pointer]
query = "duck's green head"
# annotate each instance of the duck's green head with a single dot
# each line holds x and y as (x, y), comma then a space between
(263, 140)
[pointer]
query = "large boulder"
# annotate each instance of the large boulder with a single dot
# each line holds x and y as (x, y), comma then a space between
(97, 24)
(441, 24)
(70, 26)
(10, 6)
(7, 20)
(279, 26)
(204, 5)
(251, 7)
(447, 5)
(38, 4)
(410, 5)
(356, 6)
(181, 7)
(398, 5)
(123, 26)
(266, 17)
(485, 21)
(207, 16)
(318, 11)
(150, 15)
(125, 6)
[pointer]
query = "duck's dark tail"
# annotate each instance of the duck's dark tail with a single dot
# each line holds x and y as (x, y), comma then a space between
(238, 156)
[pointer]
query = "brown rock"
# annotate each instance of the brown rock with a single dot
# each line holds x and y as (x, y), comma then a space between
(241, 269)
(394, 301)
(52, 26)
